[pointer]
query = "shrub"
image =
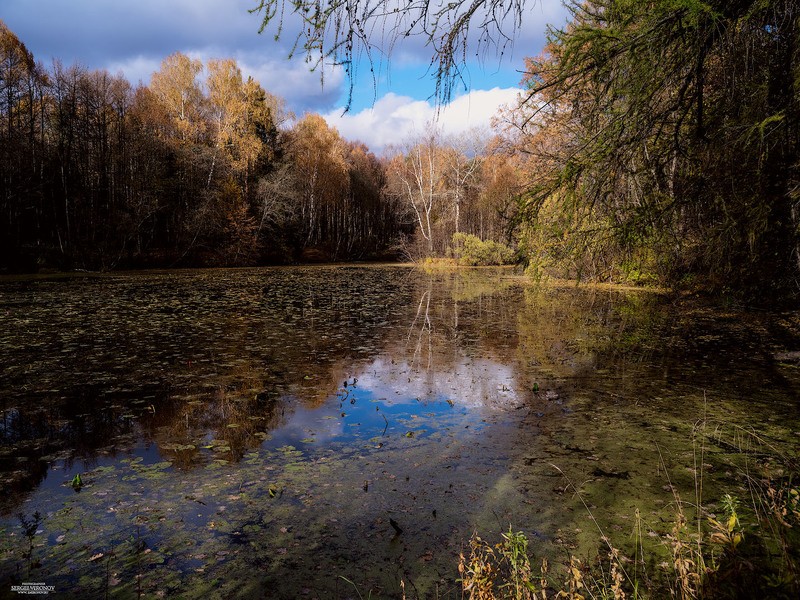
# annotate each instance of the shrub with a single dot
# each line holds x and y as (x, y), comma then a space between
(470, 250)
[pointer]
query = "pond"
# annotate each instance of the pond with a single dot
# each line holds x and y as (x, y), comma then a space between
(336, 432)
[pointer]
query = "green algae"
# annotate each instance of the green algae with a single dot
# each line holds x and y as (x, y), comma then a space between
(217, 466)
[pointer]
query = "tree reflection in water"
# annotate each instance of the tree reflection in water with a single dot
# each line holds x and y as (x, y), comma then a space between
(257, 424)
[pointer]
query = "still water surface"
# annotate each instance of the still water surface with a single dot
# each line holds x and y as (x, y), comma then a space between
(325, 432)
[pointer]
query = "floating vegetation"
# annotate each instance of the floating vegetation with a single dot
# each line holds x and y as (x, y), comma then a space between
(294, 430)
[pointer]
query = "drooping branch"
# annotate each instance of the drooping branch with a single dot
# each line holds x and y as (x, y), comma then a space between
(345, 32)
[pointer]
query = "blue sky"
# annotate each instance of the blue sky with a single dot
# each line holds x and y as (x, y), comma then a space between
(133, 38)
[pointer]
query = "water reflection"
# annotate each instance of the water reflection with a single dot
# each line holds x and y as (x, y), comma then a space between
(175, 358)
(246, 424)
(467, 382)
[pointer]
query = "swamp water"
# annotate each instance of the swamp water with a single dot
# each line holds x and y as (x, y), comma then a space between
(336, 432)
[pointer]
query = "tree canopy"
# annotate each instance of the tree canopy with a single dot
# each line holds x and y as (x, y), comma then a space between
(677, 133)
(653, 140)
(198, 168)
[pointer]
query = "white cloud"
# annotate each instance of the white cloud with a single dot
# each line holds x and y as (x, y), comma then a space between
(136, 68)
(468, 382)
(293, 81)
(394, 119)
(135, 36)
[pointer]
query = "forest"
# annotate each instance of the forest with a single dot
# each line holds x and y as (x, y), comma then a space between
(653, 142)
(203, 167)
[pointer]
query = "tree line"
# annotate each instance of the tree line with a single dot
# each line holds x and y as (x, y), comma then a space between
(653, 142)
(98, 174)
(203, 167)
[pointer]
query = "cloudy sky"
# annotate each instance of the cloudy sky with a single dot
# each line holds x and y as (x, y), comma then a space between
(133, 37)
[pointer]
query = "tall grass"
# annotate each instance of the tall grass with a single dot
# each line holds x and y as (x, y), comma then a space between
(737, 547)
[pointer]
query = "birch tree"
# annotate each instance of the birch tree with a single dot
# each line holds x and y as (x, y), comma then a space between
(318, 156)
(418, 176)
(177, 88)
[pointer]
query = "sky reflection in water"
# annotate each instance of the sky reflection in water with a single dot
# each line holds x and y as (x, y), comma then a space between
(253, 432)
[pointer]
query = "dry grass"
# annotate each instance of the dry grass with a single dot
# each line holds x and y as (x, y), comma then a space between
(736, 550)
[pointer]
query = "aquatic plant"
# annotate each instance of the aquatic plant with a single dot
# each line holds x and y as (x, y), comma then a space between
(29, 529)
(504, 567)
(731, 551)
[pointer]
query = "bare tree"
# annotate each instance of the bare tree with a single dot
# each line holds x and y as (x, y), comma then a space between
(462, 160)
(417, 175)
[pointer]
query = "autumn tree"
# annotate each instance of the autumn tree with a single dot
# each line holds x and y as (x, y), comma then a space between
(22, 155)
(227, 101)
(677, 129)
(500, 184)
(453, 185)
(81, 195)
(417, 175)
(676, 147)
(462, 157)
(153, 213)
(377, 221)
(317, 153)
(277, 202)
(177, 88)
(96, 174)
